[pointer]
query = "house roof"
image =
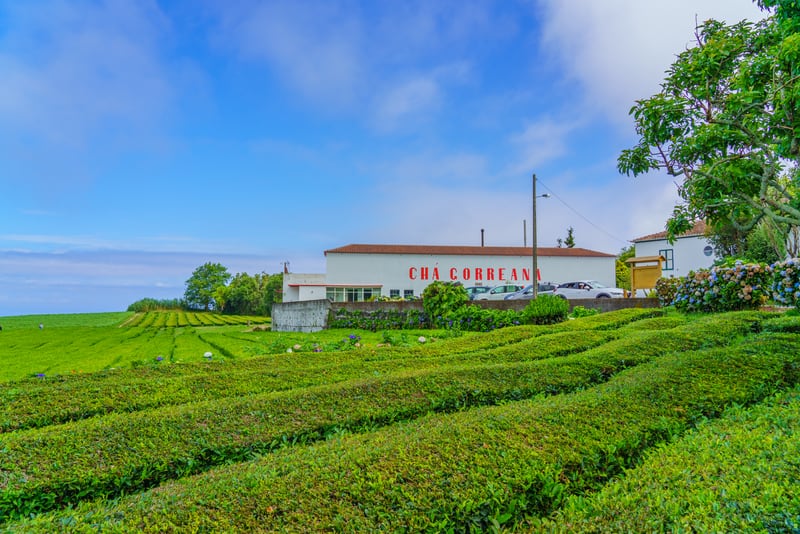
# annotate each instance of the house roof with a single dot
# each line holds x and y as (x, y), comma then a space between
(455, 250)
(698, 229)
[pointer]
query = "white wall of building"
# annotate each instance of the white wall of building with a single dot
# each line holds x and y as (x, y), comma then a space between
(416, 271)
(688, 253)
(298, 286)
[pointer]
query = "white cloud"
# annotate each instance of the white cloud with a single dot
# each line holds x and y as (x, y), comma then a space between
(386, 66)
(618, 50)
(314, 47)
(407, 100)
(540, 142)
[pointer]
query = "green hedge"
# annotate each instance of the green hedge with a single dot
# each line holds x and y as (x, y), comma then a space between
(59, 466)
(737, 474)
(470, 471)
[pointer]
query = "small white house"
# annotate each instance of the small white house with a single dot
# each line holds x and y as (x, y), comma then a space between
(691, 250)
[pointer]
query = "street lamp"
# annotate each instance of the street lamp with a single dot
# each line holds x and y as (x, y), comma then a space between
(534, 272)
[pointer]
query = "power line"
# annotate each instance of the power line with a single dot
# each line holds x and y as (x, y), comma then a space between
(576, 212)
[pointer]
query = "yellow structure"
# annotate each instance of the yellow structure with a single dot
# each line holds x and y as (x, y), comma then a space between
(645, 271)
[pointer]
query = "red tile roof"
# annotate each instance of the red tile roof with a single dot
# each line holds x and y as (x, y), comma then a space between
(466, 250)
(699, 228)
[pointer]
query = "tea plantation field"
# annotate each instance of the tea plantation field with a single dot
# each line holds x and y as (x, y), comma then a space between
(629, 421)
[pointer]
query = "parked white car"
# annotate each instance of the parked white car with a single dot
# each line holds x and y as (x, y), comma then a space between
(587, 289)
(498, 292)
(545, 288)
(474, 291)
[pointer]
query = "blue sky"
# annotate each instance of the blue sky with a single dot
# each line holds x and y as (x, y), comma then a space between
(140, 139)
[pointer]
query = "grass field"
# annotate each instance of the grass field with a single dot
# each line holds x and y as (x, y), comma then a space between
(627, 421)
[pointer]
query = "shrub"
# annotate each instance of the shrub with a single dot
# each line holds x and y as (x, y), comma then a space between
(785, 287)
(477, 319)
(441, 299)
(546, 309)
(378, 319)
(743, 286)
(666, 288)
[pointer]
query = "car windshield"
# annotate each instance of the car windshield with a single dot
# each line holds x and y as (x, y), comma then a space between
(596, 284)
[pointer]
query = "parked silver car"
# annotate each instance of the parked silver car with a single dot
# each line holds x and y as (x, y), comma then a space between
(587, 289)
(498, 292)
(545, 288)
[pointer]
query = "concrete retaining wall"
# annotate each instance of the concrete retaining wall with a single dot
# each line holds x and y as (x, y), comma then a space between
(302, 316)
(312, 315)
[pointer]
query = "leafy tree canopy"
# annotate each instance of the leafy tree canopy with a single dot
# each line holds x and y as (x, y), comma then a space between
(204, 283)
(727, 123)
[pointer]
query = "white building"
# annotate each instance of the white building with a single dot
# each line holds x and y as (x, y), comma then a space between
(359, 272)
(690, 251)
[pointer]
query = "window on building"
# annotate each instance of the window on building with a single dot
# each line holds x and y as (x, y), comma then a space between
(352, 294)
(371, 292)
(407, 293)
(669, 264)
(335, 294)
(394, 293)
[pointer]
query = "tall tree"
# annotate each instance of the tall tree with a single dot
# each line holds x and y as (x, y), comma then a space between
(204, 282)
(727, 123)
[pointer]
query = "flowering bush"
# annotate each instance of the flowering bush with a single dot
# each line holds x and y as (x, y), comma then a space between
(785, 287)
(666, 289)
(743, 286)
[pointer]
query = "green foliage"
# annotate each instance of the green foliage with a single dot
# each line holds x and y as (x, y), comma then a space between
(378, 319)
(725, 123)
(202, 286)
(736, 474)
(666, 289)
(150, 304)
(623, 271)
(789, 324)
(442, 299)
(126, 452)
(464, 470)
(475, 318)
(765, 243)
(579, 311)
(250, 295)
(545, 309)
(569, 241)
(743, 286)
(60, 320)
(785, 287)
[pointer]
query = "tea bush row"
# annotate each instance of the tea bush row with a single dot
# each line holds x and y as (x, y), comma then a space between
(35, 402)
(159, 319)
(117, 454)
(476, 470)
(737, 474)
